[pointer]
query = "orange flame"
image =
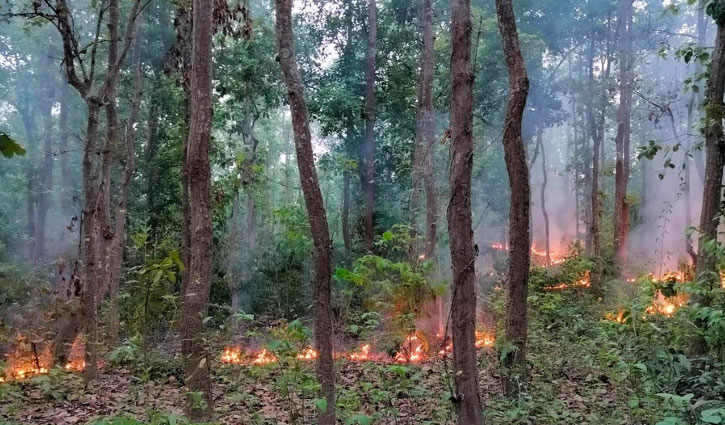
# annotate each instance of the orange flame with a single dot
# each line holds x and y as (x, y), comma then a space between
(484, 339)
(232, 355)
(413, 350)
(666, 306)
(307, 354)
(583, 282)
(619, 318)
(264, 357)
(361, 355)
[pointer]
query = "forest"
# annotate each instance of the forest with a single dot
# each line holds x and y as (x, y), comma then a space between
(362, 212)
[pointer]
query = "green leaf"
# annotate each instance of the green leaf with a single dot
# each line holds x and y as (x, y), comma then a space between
(359, 420)
(9, 147)
(321, 404)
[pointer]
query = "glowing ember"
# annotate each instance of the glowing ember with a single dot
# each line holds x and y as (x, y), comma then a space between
(362, 355)
(264, 357)
(553, 258)
(232, 355)
(484, 339)
(307, 354)
(722, 279)
(413, 350)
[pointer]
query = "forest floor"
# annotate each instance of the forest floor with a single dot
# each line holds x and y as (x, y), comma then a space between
(566, 387)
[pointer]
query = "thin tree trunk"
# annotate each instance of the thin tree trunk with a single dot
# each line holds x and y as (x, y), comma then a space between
(128, 170)
(195, 301)
(369, 112)
(460, 227)
(544, 212)
(45, 177)
(424, 161)
(707, 271)
(65, 179)
(698, 157)
(152, 147)
(518, 172)
(621, 207)
(315, 209)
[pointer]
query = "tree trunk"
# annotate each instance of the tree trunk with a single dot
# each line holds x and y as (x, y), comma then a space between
(518, 172)
(707, 271)
(621, 208)
(315, 208)
(65, 179)
(152, 147)
(423, 156)
(544, 212)
(369, 112)
(460, 227)
(128, 170)
(45, 183)
(195, 300)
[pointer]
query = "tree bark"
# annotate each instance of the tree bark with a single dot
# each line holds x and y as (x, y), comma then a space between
(315, 208)
(369, 145)
(544, 212)
(707, 271)
(424, 150)
(152, 148)
(65, 179)
(621, 207)
(128, 170)
(518, 172)
(45, 183)
(460, 227)
(195, 300)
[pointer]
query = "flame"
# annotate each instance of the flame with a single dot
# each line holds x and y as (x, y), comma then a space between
(582, 282)
(307, 354)
(666, 306)
(619, 318)
(722, 279)
(413, 350)
(554, 258)
(484, 339)
(264, 357)
(232, 355)
(361, 355)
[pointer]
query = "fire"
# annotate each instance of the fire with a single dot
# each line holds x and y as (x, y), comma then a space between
(619, 318)
(722, 279)
(307, 354)
(361, 355)
(553, 258)
(232, 355)
(666, 306)
(413, 350)
(484, 339)
(582, 282)
(264, 357)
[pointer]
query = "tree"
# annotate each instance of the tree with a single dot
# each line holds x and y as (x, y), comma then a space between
(460, 228)
(368, 174)
(621, 206)
(424, 149)
(707, 272)
(195, 298)
(520, 209)
(315, 208)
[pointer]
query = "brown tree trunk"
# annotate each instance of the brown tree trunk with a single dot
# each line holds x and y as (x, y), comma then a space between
(544, 212)
(707, 271)
(65, 179)
(152, 147)
(423, 156)
(621, 208)
(315, 208)
(369, 144)
(116, 262)
(460, 227)
(518, 172)
(195, 300)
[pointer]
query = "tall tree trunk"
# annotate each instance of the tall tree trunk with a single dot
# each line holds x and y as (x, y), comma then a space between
(45, 183)
(152, 147)
(195, 300)
(31, 182)
(65, 179)
(621, 207)
(698, 156)
(315, 208)
(345, 213)
(544, 212)
(369, 145)
(423, 161)
(128, 170)
(707, 271)
(460, 227)
(518, 172)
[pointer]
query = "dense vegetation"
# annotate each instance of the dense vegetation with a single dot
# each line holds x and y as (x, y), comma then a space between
(362, 212)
